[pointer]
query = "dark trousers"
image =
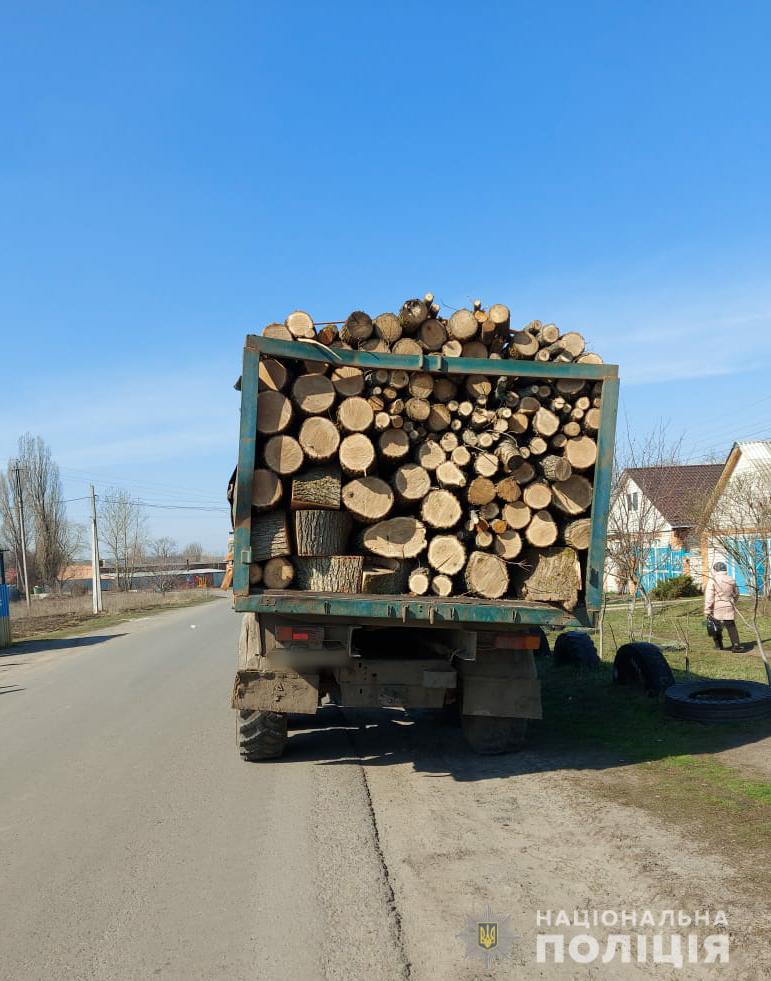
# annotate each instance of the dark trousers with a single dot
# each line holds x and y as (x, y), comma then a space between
(733, 633)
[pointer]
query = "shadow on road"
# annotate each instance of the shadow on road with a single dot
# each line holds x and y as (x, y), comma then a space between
(60, 644)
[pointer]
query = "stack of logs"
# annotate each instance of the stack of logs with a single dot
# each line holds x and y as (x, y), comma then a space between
(387, 481)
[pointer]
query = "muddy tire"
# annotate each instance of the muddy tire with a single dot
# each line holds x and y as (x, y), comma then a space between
(576, 648)
(491, 735)
(644, 666)
(719, 701)
(262, 735)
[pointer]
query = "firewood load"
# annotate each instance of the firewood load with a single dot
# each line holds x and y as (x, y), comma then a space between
(399, 482)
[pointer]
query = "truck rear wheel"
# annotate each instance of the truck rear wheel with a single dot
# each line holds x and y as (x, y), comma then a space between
(262, 735)
(489, 735)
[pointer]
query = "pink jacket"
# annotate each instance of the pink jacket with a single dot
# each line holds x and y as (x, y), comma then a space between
(720, 597)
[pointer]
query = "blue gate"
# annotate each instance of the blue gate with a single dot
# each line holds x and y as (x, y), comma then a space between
(662, 562)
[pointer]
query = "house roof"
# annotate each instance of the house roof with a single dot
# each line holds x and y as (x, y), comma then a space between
(678, 493)
(758, 452)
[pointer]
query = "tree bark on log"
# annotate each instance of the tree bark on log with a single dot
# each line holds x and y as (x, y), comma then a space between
(551, 576)
(577, 534)
(487, 575)
(412, 315)
(330, 574)
(270, 536)
(384, 577)
(555, 468)
(321, 532)
(319, 487)
(388, 327)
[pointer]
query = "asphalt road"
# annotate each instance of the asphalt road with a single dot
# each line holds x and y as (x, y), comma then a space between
(135, 844)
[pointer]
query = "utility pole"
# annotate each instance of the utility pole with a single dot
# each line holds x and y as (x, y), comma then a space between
(22, 529)
(96, 578)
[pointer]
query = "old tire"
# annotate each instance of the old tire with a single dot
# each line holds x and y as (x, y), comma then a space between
(643, 665)
(490, 735)
(262, 735)
(576, 648)
(728, 700)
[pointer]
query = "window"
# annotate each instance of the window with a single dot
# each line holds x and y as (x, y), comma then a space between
(631, 501)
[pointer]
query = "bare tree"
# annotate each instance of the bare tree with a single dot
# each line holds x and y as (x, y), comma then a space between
(10, 530)
(162, 554)
(193, 552)
(738, 526)
(43, 495)
(123, 526)
(634, 523)
(73, 541)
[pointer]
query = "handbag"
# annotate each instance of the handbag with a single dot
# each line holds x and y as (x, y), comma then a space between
(712, 626)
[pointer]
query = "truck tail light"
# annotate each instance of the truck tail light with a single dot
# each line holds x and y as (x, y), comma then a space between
(517, 642)
(297, 634)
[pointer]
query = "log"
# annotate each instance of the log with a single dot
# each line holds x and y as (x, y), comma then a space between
(393, 445)
(395, 538)
(537, 495)
(329, 574)
(319, 438)
(355, 415)
(417, 409)
(368, 498)
(486, 464)
(384, 577)
(419, 581)
(523, 344)
(452, 349)
(266, 489)
(572, 344)
(270, 536)
(484, 538)
(508, 490)
(412, 315)
(278, 331)
(446, 554)
(444, 390)
(577, 534)
(538, 446)
(272, 375)
(255, 574)
(407, 345)
(432, 335)
(500, 315)
(519, 423)
(569, 386)
(300, 325)
(399, 379)
(328, 335)
(517, 515)
(382, 421)
(449, 442)
(508, 544)
(523, 473)
(357, 454)
(284, 455)
(348, 380)
(581, 452)
(439, 418)
(421, 384)
(278, 573)
(542, 530)
(321, 532)
(449, 475)
(430, 454)
(478, 386)
(388, 327)
(319, 487)
(545, 422)
(555, 468)
(509, 454)
(590, 358)
(572, 496)
(462, 326)
(487, 575)
(475, 349)
(274, 413)
(547, 334)
(358, 327)
(551, 576)
(441, 586)
(374, 345)
(440, 509)
(411, 483)
(480, 491)
(313, 394)
(461, 456)
(592, 420)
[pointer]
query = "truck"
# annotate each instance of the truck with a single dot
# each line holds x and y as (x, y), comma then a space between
(466, 655)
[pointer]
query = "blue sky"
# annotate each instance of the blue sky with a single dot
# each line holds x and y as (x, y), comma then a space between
(175, 175)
